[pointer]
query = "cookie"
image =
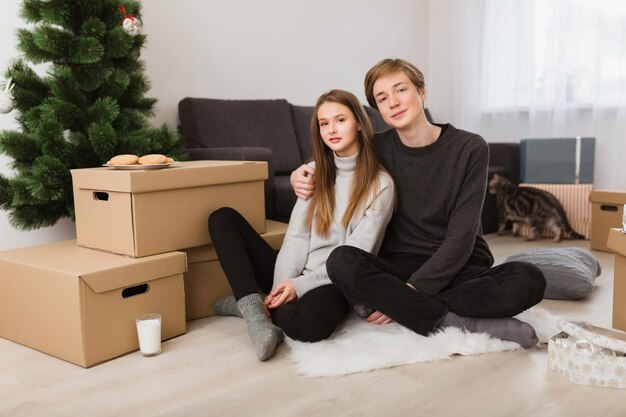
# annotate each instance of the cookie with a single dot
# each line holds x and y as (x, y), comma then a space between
(125, 159)
(152, 159)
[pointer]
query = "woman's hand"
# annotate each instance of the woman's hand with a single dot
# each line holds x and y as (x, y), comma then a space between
(303, 181)
(283, 293)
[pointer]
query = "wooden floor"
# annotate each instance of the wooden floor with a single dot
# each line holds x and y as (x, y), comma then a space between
(213, 371)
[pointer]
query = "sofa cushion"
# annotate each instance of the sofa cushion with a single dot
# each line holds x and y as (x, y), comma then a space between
(302, 123)
(209, 123)
(569, 272)
(378, 124)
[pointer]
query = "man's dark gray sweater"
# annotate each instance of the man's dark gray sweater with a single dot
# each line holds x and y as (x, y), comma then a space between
(440, 189)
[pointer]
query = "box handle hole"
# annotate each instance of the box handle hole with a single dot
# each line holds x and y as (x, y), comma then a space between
(605, 207)
(136, 290)
(100, 196)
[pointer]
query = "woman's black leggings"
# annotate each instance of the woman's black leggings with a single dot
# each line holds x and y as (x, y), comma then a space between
(248, 262)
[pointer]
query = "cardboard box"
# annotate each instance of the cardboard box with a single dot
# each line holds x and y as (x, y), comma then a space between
(617, 242)
(80, 304)
(557, 160)
(205, 281)
(575, 200)
(145, 212)
(607, 210)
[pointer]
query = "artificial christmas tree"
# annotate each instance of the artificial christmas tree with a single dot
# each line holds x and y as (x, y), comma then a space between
(88, 107)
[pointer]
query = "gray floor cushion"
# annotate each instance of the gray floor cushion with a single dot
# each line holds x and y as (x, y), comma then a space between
(569, 272)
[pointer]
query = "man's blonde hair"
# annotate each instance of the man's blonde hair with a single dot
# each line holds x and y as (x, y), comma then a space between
(386, 67)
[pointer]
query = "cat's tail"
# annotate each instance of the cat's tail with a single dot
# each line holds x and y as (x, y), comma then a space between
(572, 234)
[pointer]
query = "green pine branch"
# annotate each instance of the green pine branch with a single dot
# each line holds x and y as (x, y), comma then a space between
(6, 193)
(20, 146)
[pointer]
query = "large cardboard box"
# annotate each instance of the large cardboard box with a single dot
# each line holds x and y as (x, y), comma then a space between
(617, 242)
(607, 210)
(80, 304)
(557, 160)
(575, 201)
(205, 281)
(145, 212)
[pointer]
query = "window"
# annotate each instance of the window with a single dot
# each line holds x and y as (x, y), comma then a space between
(547, 53)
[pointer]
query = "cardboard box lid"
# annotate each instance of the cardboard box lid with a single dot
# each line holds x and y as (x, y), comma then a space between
(608, 196)
(180, 175)
(617, 241)
(102, 271)
(274, 234)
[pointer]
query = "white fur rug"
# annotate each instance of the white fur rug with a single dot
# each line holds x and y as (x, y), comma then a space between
(358, 346)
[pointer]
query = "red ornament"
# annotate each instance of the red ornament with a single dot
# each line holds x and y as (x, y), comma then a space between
(130, 23)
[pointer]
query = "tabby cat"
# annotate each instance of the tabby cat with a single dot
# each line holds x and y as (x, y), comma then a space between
(537, 208)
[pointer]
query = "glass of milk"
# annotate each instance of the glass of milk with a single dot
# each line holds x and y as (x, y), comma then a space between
(149, 333)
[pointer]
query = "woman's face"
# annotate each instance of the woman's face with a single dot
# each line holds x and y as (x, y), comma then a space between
(338, 128)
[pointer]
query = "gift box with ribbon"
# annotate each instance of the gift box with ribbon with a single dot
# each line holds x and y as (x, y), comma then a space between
(557, 160)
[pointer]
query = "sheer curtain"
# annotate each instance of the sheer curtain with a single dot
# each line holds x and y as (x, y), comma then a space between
(512, 69)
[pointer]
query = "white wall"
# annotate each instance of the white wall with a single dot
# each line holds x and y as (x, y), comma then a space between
(249, 49)
(275, 48)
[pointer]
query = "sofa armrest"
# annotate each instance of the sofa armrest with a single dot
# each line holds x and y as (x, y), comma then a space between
(243, 154)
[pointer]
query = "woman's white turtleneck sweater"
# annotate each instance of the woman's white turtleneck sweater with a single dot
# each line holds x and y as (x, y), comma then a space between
(303, 254)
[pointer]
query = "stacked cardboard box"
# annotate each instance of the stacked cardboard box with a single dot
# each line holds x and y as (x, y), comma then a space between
(77, 300)
(607, 212)
(80, 305)
(617, 242)
(144, 212)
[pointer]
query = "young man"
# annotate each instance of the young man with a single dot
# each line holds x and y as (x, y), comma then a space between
(434, 269)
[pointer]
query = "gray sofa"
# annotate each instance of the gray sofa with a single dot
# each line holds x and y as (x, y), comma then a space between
(258, 130)
(504, 161)
(279, 132)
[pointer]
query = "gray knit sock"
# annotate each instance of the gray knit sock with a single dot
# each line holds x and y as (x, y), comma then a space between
(227, 306)
(263, 333)
(503, 328)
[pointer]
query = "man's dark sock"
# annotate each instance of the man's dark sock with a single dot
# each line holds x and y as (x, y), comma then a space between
(503, 328)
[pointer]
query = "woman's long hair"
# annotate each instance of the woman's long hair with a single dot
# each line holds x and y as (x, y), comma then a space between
(365, 180)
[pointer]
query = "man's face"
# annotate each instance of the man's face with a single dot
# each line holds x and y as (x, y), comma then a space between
(398, 100)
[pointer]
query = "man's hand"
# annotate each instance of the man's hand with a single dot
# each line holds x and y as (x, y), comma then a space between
(283, 293)
(378, 318)
(303, 181)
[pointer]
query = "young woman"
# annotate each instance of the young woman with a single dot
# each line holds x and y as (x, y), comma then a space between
(352, 206)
